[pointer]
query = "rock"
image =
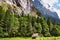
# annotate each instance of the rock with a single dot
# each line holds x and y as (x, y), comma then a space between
(35, 35)
(24, 5)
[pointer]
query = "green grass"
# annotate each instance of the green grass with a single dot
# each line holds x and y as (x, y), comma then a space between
(41, 38)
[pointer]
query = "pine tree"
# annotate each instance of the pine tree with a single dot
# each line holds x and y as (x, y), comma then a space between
(45, 29)
(39, 30)
(51, 25)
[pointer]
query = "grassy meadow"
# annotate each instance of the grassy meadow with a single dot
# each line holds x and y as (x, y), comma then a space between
(41, 38)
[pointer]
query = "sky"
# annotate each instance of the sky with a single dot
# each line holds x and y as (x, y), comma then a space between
(57, 5)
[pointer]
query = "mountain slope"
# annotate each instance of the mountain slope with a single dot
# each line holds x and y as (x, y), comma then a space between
(46, 12)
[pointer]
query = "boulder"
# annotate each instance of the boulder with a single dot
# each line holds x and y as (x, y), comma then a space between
(35, 35)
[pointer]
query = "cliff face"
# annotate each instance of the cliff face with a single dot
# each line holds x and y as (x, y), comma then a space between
(24, 4)
(20, 5)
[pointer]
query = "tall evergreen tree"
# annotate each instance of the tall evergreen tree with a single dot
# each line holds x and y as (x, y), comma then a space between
(51, 25)
(45, 27)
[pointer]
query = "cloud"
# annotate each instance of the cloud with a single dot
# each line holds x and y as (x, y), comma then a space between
(32, 0)
(50, 2)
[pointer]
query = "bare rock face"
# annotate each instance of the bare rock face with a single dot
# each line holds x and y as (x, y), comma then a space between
(0, 1)
(25, 5)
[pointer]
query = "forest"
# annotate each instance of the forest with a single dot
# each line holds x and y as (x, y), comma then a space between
(13, 25)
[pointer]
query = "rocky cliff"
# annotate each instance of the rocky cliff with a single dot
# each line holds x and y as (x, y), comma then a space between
(17, 6)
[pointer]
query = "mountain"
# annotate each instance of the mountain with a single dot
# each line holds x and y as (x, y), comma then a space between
(46, 12)
(20, 5)
(26, 6)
